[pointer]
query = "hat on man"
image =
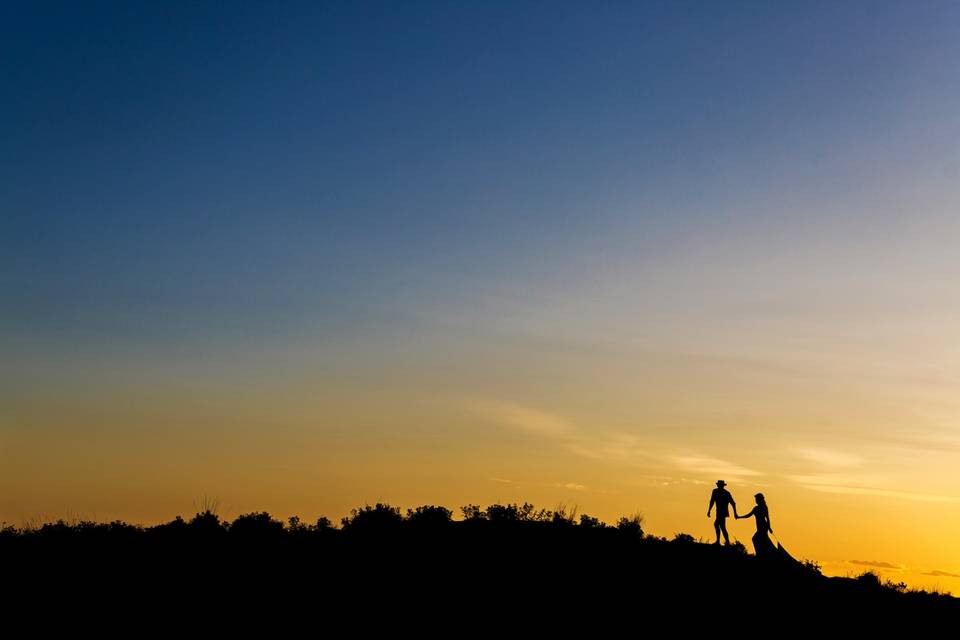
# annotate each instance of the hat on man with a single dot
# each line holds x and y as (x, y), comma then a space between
(721, 483)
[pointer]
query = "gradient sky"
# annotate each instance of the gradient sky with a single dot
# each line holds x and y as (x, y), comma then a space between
(303, 257)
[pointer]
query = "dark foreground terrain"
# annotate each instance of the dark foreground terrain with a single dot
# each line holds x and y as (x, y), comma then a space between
(500, 570)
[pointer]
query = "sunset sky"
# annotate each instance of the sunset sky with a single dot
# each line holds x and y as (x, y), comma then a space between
(299, 257)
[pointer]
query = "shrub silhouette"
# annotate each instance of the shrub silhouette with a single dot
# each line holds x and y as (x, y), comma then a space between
(560, 516)
(429, 516)
(525, 512)
(8, 531)
(256, 526)
(631, 525)
(739, 547)
(589, 522)
(812, 566)
(206, 521)
(473, 512)
(869, 579)
(176, 529)
(367, 519)
(899, 587)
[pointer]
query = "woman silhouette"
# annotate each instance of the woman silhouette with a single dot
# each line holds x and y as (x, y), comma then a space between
(762, 545)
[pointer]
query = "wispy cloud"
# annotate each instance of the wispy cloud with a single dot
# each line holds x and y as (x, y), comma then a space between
(941, 574)
(524, 418)
(837, 480)
(607, 445)
(886, 493)
(707, 465)
(613, 446)
(878, 564)
(829, 458)
(594, 443)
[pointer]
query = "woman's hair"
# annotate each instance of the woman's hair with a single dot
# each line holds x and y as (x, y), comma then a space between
(760, 497)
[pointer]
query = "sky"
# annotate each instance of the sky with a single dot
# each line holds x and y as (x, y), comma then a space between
(302, 257)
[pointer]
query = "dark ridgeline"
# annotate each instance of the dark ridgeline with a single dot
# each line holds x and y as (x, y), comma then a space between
(547, 570)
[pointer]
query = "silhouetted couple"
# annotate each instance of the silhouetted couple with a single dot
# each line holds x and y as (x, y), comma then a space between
(721, 498)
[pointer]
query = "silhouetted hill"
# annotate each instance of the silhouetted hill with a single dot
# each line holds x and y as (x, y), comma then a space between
(546, 567)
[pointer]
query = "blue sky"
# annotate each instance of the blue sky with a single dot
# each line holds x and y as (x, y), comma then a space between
(198, 165)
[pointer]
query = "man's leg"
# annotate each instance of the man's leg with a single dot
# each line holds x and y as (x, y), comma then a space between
(717, 524)
(723, 528)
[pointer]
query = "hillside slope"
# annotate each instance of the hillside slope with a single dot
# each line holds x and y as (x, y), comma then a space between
(493, 566)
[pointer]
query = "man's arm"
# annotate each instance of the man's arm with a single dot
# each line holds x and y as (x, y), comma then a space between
(713, 498)
(734, 504)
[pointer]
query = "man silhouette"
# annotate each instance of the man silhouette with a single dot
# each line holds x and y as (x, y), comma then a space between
(722, 499)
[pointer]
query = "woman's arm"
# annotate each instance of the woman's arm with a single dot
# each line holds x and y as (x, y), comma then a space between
(748, 515)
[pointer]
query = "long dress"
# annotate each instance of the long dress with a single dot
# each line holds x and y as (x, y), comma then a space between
(762, 544)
